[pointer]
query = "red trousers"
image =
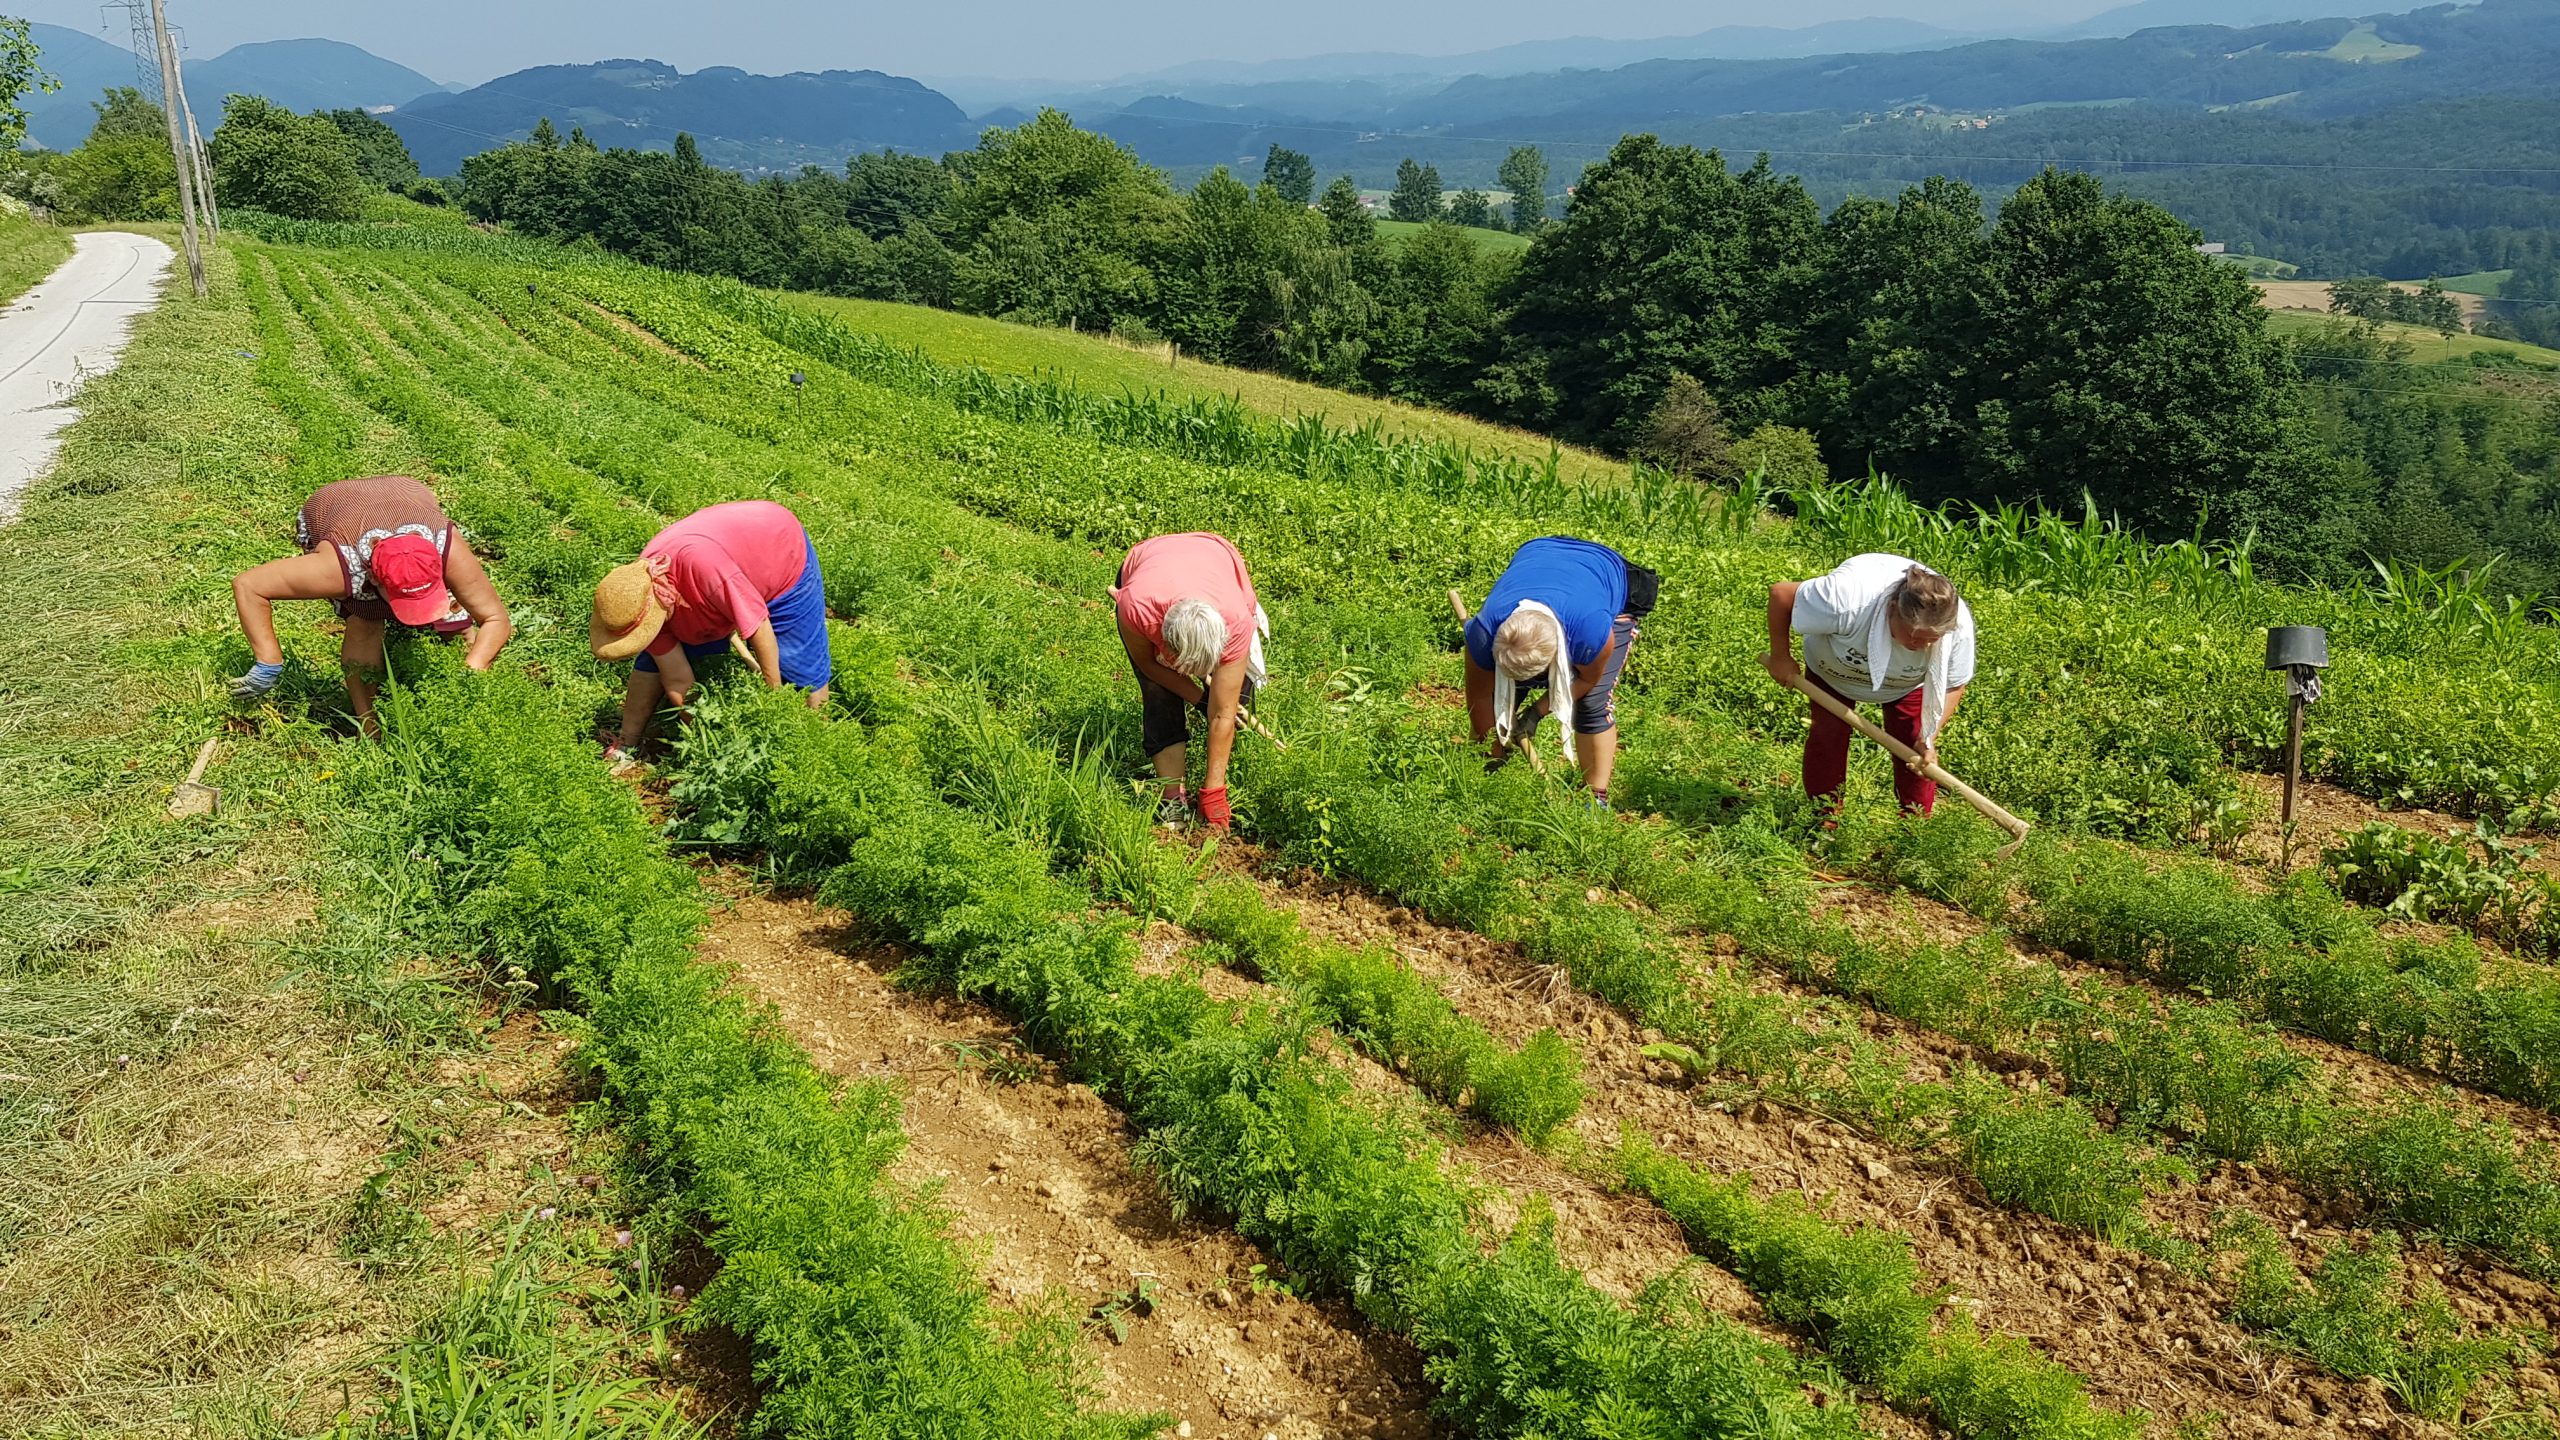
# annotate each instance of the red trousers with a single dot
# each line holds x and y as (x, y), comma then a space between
(1826, 753)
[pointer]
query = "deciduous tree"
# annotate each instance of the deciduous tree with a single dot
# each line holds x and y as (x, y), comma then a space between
(265, 157)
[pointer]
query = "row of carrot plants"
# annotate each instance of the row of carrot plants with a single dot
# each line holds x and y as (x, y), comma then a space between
(1854, 1290)
(861, 1309)
(1347, 986)
(2156, 1105)
(2299, 955)
(1487, 1315)
(822, 542)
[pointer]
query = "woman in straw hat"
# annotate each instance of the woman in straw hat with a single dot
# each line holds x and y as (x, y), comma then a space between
(1193, 628)
(744, 568)
(382, 552)
(1880, 630)
(1562, 618)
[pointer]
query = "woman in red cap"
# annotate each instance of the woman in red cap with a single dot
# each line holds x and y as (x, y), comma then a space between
(381, 550)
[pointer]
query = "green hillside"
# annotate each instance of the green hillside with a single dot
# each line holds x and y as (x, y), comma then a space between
(1397, 231)
(2484, 282)
(2428, 345)
(1100, 363)
(530, 1069)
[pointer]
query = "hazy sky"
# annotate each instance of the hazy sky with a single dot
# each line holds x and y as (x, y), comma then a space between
(475, 40)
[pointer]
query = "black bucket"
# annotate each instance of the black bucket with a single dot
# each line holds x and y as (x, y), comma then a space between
(2291, 645)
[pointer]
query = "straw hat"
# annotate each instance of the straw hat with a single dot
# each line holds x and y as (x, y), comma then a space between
(627, 614)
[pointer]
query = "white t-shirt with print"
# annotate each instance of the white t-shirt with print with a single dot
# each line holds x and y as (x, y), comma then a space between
(1837, 614)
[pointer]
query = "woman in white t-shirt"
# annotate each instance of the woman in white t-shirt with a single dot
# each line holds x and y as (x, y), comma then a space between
(1880, 630)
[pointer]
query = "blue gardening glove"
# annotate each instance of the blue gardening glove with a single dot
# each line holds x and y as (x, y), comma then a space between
(261, 678)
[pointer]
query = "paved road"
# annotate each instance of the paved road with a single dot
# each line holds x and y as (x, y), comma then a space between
(61, 332)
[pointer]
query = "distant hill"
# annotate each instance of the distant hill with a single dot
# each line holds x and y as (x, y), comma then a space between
(2152, 14)
(86, 65)
(747, 122)
(304, 75)
(298, 74)
(1580, 52)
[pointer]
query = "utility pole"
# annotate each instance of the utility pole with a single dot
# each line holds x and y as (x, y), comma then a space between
(195, 147)
(178, 156)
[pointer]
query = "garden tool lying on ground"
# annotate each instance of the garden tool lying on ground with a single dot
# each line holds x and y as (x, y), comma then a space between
(193, 796)
(2016, 827)
(1458, 603)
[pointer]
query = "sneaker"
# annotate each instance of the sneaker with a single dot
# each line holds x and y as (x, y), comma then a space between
(1175, 814)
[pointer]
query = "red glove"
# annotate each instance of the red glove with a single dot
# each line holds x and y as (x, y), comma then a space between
(1213, 808)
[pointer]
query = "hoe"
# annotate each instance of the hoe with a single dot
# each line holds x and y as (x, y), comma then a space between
(2016, 827)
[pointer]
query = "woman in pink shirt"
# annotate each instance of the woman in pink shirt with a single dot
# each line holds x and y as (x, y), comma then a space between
(744, 568)
(1193, 630)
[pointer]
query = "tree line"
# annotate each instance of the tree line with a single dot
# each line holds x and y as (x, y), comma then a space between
(2068, 340)
(1705, 317)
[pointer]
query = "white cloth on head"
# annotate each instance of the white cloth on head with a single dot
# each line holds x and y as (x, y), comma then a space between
(1506, 691)
(1845, 618)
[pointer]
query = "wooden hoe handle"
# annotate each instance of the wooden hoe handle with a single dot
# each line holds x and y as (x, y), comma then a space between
(2016, 827)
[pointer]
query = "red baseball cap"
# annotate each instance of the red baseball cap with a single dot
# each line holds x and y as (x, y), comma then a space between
(408, 572)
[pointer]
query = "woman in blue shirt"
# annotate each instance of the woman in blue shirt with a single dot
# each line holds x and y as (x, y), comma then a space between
(1561, 618)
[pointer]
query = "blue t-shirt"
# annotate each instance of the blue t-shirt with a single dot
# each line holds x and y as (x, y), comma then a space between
(1584, 583)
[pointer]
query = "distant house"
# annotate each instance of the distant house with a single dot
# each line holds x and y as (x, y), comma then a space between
(2214, 247)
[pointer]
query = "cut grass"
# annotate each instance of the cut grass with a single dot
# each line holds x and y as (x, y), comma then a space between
(29, 250)
(1097, 362)
(241, 1151)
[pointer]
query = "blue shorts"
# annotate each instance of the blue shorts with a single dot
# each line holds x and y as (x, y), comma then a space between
(799, 621)
(1596, 713)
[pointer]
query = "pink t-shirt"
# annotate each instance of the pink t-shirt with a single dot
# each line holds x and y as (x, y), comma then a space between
(1172, 568)
(727, 562)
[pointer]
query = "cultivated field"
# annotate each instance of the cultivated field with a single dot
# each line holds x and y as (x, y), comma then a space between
(1435, 1103)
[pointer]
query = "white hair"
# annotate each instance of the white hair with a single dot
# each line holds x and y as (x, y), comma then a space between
(1195, 635)
(1525, 647)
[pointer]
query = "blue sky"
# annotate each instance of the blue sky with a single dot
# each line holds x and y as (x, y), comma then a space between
(475, 40)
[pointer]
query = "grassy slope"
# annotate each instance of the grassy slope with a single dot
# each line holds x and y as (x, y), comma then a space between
(1398, 231)
(29, 249)
(2489, 283)
(225, 1117)
(1097, 363)
(2424, 344)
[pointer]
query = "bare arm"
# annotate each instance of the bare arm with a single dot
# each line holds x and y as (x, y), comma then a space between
(1586, 676)
(1780, 662)
(1226, 694)
(1142, 655)
(312, 575)
(768, 653)
(1929, 743)
(469, 581)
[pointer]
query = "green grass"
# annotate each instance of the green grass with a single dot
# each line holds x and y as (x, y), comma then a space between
(2490, 283)
(2260, 267)
(2361, 46)
(2424, 344)
(1396, 232)
(1097, 362)
(29, 250)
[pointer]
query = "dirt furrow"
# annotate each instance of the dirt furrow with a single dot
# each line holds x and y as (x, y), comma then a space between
(1036, 1169)
(2360, 1077)
(2141, 1333)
